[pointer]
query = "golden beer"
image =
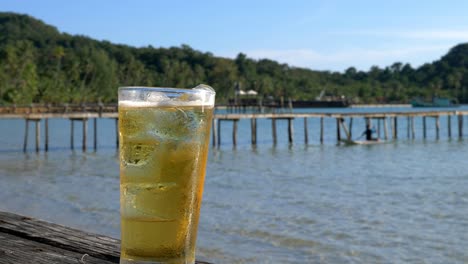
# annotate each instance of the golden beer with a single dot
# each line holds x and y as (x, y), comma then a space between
(163, 155)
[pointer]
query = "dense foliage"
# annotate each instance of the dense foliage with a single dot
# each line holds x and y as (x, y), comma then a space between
(40, 64)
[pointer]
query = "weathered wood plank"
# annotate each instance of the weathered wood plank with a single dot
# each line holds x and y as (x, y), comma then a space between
(15, 249)
(60, 236)
(37, 240)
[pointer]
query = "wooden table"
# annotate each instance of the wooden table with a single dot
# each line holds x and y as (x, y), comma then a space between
(28, 240)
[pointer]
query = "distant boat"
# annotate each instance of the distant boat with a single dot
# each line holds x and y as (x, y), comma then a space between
(362, 142)
(436, 102)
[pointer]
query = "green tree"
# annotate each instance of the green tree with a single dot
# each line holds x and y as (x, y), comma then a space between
(19, 76)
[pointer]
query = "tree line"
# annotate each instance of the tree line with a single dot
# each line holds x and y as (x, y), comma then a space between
(39, 64)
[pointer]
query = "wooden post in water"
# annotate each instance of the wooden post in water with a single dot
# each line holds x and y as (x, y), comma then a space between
(338, 132)
(253, 130)
(290, 130)
(219, 131)
(26, 130)
(38, 133)
(321, 130)
(408, 120)
(306, 132)
(215, 130)
(345, 129)
(395, 127)
(392, 127)
(437, 126)
(117, 133)
(412, 128)
(350, 128)
(234, 131)
(273, 129)
(46, 146)
(378, 127)
(85, 133)
(460, 126)
(72, 133)
(424, 127)
(95, 134)
(385, 128)
(449, 126)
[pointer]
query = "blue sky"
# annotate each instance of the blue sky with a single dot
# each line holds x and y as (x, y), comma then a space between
(320, 34)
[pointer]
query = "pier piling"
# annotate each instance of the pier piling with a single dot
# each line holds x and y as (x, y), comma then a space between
(424, 127)
(219, 132)
(338, 132)
(290, 130)
(117, 133)
(253, 130)
(215, 131)
(46, 124)
(72, 133)
(449, 126)
(378, 127)
(38, 133)
(321, 130)
(85, 133)
(460, 126)
(95, 134)
(408, 120)
(26, 130)
(37, 122)
(234, 131)
(306, 132)
(385, 128)
(273, 130)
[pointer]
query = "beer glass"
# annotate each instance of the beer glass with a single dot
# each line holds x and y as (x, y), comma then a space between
(164, 142)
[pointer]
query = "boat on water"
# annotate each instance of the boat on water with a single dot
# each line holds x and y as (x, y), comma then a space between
(436, 102)
(362, 142)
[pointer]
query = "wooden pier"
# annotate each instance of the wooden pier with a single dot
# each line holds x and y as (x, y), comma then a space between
(344, 123)
(75, 113)
(34, 114)
(28, 240)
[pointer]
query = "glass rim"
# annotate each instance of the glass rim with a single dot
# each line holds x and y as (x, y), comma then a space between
(165, 90)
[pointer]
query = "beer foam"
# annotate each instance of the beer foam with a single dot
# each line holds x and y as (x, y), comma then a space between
(202, 95)
(131, 103)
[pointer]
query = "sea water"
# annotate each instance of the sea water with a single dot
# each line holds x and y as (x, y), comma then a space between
(404, 201)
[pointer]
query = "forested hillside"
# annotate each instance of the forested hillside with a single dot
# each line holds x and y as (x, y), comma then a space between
(38, 63)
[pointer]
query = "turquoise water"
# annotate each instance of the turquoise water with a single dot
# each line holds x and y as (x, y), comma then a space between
(405, 201)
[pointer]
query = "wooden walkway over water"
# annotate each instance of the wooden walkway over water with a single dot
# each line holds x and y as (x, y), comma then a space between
(386, 122)
(28, 240)
(344, 122)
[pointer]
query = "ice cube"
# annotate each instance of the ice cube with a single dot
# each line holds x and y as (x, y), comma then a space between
(204, 87)
(155, 97)
(173, 123)
(136, 153)
(205, 96)
(146, 201)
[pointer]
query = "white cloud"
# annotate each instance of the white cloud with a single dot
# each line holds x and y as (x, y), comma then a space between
(432, 34)
(362, 59)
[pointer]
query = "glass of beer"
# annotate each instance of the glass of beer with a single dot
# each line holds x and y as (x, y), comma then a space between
(164, 140)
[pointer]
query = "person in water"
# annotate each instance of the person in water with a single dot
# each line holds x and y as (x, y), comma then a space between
(368, 132)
